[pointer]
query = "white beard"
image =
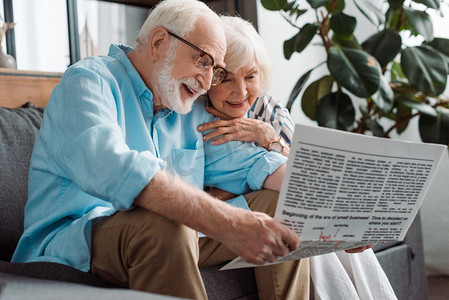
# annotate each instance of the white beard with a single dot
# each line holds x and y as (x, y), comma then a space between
(170, 88)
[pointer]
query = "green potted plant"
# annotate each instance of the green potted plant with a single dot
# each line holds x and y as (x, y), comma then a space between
(395, 81)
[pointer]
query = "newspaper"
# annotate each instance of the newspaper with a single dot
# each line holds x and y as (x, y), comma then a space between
(343, 190)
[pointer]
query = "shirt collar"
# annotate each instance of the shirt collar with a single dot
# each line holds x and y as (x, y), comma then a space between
(120, 52)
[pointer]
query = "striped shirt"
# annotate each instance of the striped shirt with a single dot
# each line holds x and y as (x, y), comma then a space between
(269, 110)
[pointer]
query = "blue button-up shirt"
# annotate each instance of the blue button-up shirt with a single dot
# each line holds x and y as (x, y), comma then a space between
(100, 144)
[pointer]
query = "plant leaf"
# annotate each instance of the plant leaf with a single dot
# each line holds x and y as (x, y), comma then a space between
(395, 4)
(297, 13)
(375, 127)
(371, 9)
(336, 111)
(425, 69)
(343, 24)
(317, 3)
(347, 42)
(355, 70)
(418, 105)
(420, 22)
(397, 75)
(435, 129)
(442, 46)
(313, 93)
(396, 17)
(297, 88)
(435, 4)
(338, 7)
(274, 4)
(294, 10)
(384, 46)
(402, 113)
(384, 97)
(300, 41)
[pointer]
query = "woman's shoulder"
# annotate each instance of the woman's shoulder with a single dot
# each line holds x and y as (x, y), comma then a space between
(268, 99)
(265, 106)
(270, 110)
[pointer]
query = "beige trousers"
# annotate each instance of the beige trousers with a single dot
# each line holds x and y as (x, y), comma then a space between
(141, 250)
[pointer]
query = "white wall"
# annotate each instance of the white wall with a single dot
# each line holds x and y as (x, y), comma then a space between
(435, 209)
(275, 30)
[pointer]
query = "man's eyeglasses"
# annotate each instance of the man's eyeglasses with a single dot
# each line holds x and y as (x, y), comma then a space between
(205, 61)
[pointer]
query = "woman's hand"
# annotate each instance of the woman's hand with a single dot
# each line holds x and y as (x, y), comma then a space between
(360, 249)
(239, 129)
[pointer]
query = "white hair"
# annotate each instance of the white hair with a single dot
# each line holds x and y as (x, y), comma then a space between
(243, 45)
(177, 16)
(170, 87)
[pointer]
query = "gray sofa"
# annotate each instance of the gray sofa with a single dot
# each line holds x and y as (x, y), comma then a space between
(402, 261)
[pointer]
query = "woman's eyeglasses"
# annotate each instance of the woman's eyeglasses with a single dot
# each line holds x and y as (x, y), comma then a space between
(205, 61)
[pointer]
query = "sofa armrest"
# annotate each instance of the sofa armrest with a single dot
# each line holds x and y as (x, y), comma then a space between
(20, 287)
(403, 263)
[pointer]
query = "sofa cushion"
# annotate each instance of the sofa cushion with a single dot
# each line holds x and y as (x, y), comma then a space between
(18, 287)
(230, 284)
(52, 271)
(18, 129)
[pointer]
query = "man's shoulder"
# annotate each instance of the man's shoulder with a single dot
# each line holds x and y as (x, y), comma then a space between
(91, 75)
(100, 65)
(198, 111)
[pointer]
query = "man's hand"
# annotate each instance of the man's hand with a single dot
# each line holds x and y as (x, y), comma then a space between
(258, 238)
(254, 236)
(239, 129)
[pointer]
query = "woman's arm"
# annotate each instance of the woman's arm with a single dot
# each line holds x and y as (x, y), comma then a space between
(269, 110)
(267, 122)
(271, 116)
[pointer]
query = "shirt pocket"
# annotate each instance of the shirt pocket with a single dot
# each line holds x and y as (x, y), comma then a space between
(188, 164)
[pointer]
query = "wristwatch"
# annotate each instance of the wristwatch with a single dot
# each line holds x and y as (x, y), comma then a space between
(277, 145)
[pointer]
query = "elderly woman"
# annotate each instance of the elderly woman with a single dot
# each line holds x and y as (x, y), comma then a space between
(243, 94)
(248, 114)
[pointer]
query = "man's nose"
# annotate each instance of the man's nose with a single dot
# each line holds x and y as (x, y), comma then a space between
(205, 78)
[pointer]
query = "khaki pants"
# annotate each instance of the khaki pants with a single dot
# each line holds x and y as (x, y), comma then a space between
(145, 251)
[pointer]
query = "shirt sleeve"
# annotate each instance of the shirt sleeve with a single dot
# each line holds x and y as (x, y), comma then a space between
(269, 110)
(86, 143)
(239, 167)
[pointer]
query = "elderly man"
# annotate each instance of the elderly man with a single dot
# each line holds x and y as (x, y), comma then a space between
(116, 176)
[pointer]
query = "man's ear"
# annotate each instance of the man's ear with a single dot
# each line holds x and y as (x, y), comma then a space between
(158, 43)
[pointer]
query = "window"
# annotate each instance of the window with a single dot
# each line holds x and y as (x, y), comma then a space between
(50, 35)
(102, 23)
(41, 35)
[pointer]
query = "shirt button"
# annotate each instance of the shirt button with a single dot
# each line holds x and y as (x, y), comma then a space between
(146, 95)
